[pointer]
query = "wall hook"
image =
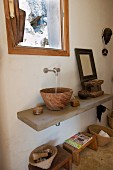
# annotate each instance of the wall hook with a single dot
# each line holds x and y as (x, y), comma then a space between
(58, 124)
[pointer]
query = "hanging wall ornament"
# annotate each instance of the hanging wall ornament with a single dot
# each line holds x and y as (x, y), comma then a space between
(106, 36)
(105, 52)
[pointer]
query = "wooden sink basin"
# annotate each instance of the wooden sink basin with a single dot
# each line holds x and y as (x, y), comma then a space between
(56, 99)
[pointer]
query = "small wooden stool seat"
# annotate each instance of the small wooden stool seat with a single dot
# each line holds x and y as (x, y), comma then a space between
(76, 152)
(63, 159)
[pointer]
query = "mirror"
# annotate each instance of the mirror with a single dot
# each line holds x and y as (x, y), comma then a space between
(86, 64)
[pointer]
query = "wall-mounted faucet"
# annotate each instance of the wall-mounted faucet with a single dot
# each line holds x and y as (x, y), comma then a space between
(54, 70)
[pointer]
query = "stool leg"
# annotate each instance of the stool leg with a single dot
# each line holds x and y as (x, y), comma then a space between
(93, 145)
(76, 158)
(68, 165)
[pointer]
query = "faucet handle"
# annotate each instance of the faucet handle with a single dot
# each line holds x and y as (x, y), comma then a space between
(57, 69)
(45, 70)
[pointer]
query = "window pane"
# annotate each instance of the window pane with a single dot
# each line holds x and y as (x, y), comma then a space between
(42, 24)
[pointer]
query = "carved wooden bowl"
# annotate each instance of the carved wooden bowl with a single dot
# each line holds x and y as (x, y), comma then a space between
(56, 99)
(101, 140)
(45, 164)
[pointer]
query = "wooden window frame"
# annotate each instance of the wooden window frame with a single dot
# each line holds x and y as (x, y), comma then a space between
(14, 49)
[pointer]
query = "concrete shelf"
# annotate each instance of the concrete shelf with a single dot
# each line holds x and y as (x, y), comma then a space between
(49, 118)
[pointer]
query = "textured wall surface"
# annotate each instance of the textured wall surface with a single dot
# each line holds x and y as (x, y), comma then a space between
(21, 78)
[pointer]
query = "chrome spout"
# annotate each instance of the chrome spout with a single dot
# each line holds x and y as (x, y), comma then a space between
(54, 70)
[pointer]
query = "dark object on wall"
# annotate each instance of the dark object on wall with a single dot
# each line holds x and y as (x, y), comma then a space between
(106, 36)
(100, 109)
(105, 52)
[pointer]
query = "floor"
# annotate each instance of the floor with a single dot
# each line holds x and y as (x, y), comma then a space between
(102, 159)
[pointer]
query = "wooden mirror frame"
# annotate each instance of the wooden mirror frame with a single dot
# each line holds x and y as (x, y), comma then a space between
(89, 52)
(14, 49)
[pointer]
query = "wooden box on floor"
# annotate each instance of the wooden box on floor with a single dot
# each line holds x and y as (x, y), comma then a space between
(63, 159)
(76, 152)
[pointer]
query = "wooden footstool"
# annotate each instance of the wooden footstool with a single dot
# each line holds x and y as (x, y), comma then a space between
(76, 152)
(63, 159)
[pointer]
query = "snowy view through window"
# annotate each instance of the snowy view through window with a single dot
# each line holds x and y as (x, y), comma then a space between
(42, 24)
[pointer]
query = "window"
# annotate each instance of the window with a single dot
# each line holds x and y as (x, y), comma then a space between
(37, 27)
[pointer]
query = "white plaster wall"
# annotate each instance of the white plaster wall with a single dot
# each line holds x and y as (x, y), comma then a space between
(21, 78)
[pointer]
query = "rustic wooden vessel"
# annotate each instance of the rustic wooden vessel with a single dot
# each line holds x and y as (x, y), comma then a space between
(91, 88)
(101, 140)
(46, 163)
(56, 99)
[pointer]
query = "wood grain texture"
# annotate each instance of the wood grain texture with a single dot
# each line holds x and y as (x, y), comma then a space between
(62, 159)
(56, 100)
(76, 152)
